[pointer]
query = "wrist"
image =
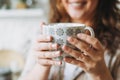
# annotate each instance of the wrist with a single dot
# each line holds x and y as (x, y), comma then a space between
(39, 72)
(102, 75)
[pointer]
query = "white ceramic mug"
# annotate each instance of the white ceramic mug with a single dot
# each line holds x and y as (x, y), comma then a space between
(60, 31)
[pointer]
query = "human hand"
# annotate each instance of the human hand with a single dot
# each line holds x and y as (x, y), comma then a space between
(90, 57)
(45, 50)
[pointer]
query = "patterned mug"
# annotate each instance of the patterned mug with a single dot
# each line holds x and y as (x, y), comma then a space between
(60, 32)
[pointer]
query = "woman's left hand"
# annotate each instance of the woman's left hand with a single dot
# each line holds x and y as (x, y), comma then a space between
(90, 57)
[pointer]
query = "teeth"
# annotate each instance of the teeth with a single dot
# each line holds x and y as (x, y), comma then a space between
(76, 4)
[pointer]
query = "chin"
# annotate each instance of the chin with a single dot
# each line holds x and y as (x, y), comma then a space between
(78, 15)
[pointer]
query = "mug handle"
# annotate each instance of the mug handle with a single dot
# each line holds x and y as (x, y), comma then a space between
(91, 31)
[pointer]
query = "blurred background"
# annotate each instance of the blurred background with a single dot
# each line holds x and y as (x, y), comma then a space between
(19, 23)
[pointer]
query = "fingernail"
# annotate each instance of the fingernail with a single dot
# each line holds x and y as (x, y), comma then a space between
(58, 53)
(54, 46)
(64, 47)
(79, 35)
(70, 39)
(58, 63)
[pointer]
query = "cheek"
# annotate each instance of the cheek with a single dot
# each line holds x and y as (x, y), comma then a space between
(92, 5)
(65, 5)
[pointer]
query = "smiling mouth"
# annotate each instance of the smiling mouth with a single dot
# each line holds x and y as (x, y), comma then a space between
(77, 4)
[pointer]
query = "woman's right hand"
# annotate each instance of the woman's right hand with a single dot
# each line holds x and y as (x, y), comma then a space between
(45, 51)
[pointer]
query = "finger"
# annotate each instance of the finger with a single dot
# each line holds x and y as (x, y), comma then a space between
(44, 38)
(76, 54)
(91, 40)
(48, 62)
(75, 62)
(46, 46)
(90, 51)
(41, 27)
(42, 23)
(81, 45)
(77, 43)
(48, 54)
(71, 52)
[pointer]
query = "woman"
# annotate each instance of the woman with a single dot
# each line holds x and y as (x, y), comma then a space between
(101, 62)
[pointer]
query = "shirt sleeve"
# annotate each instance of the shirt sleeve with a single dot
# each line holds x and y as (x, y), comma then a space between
(116, 66)
(30, 62)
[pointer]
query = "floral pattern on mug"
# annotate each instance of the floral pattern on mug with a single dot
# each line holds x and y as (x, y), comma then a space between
(59, 31)
(70, 31)
(60, 41)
